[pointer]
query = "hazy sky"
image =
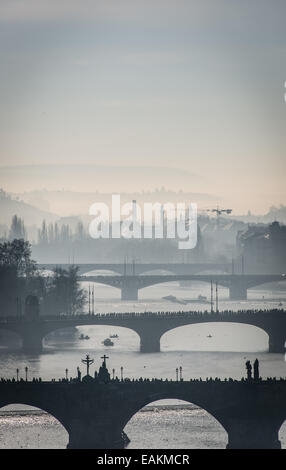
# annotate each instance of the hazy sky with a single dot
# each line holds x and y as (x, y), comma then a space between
(195, 85)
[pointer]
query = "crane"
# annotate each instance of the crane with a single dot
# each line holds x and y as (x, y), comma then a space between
(219, 212)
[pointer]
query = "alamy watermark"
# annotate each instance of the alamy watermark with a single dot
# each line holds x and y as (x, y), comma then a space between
(156, 220)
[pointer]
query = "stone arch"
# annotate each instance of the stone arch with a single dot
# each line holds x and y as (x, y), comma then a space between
(18, 416)
(258, 283)
(101, 272)
(157, 272)
(211, 271)
(282, 433)
(110, 329)
(193, 419)
(216, 339)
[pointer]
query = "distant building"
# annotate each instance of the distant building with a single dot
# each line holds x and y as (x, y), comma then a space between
(263, 248)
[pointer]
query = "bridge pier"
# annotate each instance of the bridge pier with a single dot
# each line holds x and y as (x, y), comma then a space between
(253, 434)
(277, 341)
(149, 341)
(129, 292)
(85, 434)
(237, 291)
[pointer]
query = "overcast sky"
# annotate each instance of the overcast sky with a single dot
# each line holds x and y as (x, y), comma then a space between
(195, 85)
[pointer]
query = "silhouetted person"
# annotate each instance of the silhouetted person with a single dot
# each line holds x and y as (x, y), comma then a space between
(249, 370)
(256, 369)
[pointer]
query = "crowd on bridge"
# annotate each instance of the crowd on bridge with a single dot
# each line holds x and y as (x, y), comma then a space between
(144, 315)
(141, 380)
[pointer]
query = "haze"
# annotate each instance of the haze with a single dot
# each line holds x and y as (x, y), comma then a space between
(197, 87)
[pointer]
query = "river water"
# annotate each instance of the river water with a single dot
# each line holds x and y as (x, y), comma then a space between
(206, 350)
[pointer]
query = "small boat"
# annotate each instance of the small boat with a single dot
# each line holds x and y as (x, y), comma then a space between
(107, 342)
(202, 297)
(209, 336)
(84, 336)
(172, 298)
(113, 336)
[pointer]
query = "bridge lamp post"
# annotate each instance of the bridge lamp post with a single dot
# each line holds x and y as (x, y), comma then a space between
(181, 373)
(121, 372)
(177, 373)
(212, 299)
(26, 373)
(67, 371)
(17, 373)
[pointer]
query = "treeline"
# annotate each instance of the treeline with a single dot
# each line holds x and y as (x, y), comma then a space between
(48, 234)
(58, 293)
(52, 233)
(17, 229)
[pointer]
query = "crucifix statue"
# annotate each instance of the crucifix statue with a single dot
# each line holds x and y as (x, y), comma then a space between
(104, 357)
(88, 362)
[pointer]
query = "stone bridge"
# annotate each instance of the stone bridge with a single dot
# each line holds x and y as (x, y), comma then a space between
(149, 326)
(94, 413)
(140, 268)
(237, 283)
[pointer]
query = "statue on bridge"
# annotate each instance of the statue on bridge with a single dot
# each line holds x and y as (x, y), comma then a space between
(88, 362)
(103, 374)
(249, 370)
(256, 369)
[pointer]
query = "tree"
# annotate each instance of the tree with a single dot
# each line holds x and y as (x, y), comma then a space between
(18, 276)
(17, 229)
(17, 254)
(64, 294)
(43, 234)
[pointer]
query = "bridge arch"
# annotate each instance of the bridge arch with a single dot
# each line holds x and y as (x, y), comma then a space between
(215, 336)
(177, 421)
(211, 271)
(26, 425)
(258, 283)
(102, 272)
(159, 272)
(97, 333)
(282, 434)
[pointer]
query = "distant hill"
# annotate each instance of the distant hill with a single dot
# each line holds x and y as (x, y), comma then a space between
(10, 206)
(71, 203)
(93, 177)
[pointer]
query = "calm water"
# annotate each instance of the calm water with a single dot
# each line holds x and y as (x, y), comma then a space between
(188, 346)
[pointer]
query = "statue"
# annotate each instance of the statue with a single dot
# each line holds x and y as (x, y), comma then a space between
(103, 374)
(256, 369)
(249, 370)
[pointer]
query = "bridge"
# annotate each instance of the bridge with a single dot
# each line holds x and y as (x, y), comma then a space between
(236, 283)
(140, 268)
(95, 410)
(149, 326)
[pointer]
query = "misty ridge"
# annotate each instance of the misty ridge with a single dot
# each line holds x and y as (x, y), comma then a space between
(56, 239)
(93, 177)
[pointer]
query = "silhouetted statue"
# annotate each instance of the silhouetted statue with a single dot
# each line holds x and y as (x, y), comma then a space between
(103, 374)
(249, 370)
(256, 369)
